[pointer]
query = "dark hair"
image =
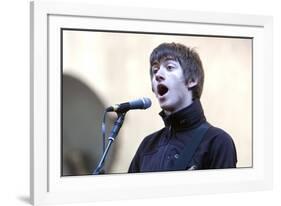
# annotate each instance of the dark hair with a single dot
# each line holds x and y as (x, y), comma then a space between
(189, 60)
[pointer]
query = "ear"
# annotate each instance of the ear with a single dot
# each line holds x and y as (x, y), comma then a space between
(192, 83)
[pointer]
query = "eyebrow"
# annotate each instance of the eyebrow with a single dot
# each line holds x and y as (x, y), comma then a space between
(155, 63)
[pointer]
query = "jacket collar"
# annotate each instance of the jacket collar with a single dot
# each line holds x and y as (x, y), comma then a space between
(187, 118)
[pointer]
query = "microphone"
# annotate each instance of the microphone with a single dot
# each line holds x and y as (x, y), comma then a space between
(142, 103)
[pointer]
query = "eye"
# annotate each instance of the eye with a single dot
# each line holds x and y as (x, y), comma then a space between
(154, 70)
(170, 67)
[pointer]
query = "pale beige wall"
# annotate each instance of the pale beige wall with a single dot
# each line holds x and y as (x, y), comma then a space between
(116, 66)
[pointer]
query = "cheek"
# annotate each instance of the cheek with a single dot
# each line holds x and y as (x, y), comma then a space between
(153, 82)
(153, 86)
(177, 83)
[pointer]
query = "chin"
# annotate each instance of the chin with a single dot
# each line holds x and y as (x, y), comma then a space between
(167, 107)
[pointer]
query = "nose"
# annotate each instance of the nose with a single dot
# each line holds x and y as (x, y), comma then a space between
(160, 75)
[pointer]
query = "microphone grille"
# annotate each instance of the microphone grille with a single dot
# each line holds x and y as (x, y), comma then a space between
(146, 102)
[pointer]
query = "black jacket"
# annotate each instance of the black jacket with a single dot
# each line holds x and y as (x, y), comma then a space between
(159, 150)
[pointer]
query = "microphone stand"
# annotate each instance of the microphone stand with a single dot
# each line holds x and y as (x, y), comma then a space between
(117, 125)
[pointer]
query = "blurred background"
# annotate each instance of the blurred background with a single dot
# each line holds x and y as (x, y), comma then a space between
(105, 68)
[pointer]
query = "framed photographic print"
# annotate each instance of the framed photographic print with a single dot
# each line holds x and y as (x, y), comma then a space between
(87, 58)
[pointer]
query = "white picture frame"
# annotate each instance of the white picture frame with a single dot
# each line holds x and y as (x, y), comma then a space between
(47, 186)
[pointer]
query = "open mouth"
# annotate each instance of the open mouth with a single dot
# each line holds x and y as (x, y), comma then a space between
(162, 89)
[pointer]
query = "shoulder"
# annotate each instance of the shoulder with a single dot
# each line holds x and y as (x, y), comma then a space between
(221, 148)
(146, 146)
(218, 142)
(218, 135)
(150, 141)
(221, 144)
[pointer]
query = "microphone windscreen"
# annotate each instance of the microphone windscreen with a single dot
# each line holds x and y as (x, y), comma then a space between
(147, 102)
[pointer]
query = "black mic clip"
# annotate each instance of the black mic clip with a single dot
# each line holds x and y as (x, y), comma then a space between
(119, 108)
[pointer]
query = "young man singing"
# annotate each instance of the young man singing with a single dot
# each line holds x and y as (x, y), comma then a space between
(188, 141)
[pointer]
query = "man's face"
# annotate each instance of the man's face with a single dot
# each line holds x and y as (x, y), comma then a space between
(169, 86)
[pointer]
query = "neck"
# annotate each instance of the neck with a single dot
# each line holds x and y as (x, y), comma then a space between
(169, 112)
(189, 117)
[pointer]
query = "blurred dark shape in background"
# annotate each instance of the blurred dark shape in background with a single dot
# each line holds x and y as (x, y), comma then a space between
(82, 113)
